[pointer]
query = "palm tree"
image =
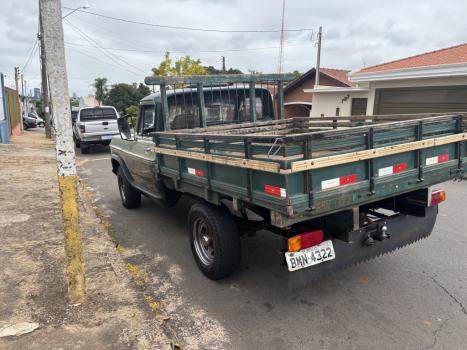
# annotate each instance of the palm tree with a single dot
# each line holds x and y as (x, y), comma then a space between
(100, 84)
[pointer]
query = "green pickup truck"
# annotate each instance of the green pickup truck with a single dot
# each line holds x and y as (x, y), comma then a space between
(338, 193)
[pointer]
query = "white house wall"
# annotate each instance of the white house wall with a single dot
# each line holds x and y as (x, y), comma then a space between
(325, 103)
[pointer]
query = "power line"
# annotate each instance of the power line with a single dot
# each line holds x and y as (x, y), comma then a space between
(102, 61)
(113, 57)
(31, 52)
(190, 28)
(191, 51)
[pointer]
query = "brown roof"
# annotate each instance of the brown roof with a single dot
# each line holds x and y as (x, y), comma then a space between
(450, 55)
(339, 75)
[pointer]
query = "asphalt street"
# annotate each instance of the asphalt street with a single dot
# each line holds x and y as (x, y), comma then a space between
(414, 298)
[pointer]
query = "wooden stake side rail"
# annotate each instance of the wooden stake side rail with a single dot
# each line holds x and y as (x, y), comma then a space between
(323, 162)
(309, 164)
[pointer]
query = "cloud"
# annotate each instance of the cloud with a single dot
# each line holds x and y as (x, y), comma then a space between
(356, 33)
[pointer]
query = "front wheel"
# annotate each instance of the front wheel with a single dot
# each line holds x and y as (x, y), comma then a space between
(215, 240)
(131, 198)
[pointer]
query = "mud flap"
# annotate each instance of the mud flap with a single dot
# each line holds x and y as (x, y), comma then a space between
(404, 230)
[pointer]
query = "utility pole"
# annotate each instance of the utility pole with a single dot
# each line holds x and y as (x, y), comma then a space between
(17, 79)
(281, 46)
(45, 83)
(23, 107)
(318, 58)
(54, 48)
(223, 64)
(17, 90)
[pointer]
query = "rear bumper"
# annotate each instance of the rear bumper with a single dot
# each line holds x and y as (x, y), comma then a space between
(404, 230)
(97, 139)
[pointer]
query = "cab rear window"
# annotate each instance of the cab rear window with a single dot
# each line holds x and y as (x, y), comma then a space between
(97, 114)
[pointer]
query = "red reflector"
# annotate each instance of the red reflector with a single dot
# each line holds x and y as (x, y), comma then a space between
(399, 168)
(349, 179)
(443, 158)
(310, 239)
(199, 172)
(274, 190)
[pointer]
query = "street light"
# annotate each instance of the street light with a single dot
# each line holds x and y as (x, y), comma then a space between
(85, 7)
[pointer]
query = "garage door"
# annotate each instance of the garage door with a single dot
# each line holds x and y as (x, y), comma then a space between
(433, 99)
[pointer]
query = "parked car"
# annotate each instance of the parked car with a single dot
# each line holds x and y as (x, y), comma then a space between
(337, 196)
(29, 122)
(74, 115)
(39, 121)
(94, 126)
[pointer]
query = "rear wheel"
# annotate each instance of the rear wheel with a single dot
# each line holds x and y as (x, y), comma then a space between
(215, 240)
(84, 148)
(77, 144)
(25, 126)
(131, 197)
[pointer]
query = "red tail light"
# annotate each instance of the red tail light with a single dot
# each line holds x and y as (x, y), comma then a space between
(437, 197)
(305, 240)
(82, 128)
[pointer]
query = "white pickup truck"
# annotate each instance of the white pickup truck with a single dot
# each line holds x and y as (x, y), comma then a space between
(94, 126)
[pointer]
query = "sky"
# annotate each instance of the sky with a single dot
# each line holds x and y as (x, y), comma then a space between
(355, 34)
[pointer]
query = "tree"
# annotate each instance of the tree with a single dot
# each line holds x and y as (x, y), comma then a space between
(183, 66)
(212, 71)
(122, 95)
(143, 90)
(132, 114)
(296, 74)
(100, 84)
(165, 67)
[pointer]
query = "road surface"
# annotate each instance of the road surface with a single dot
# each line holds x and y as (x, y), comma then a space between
(415, 298)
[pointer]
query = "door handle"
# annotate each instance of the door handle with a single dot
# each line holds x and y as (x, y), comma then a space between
(148, 149)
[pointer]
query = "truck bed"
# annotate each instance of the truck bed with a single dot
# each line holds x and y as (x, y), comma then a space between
(299, 169)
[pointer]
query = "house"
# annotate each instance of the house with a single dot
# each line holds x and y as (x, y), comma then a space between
(432, 82)
(298, 103)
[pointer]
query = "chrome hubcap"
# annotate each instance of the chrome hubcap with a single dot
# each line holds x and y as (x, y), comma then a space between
(203, 242)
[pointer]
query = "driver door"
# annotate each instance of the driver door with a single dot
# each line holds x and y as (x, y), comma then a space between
(143, 160)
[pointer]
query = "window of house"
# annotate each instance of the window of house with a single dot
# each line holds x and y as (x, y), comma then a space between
(359, 106)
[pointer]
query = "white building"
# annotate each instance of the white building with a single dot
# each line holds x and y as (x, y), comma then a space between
(432, 82)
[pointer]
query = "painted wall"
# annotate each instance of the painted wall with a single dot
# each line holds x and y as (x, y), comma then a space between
(4, 130)
(325, 103)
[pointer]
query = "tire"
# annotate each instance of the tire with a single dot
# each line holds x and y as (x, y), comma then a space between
(77, 143)
(131, 198)
(215, 240)
(84, 149)
(25, 126)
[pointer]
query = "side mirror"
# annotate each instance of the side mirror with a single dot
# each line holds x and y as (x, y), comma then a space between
(125, 129)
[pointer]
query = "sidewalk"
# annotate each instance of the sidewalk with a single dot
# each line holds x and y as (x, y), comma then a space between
(32, 279)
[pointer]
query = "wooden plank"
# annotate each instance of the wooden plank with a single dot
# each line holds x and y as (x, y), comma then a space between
(270, 167)
(374, 153)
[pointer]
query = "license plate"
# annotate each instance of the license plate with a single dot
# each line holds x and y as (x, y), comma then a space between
(106, 137)
(310, 256)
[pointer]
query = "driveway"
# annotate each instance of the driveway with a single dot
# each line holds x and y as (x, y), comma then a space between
(414, 298)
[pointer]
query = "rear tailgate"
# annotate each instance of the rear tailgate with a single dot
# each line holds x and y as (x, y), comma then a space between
(101, 127)
(99, 120)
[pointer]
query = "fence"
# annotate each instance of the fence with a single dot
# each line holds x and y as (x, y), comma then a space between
(13, 111)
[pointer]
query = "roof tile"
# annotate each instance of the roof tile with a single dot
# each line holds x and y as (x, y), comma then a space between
(450, 55)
